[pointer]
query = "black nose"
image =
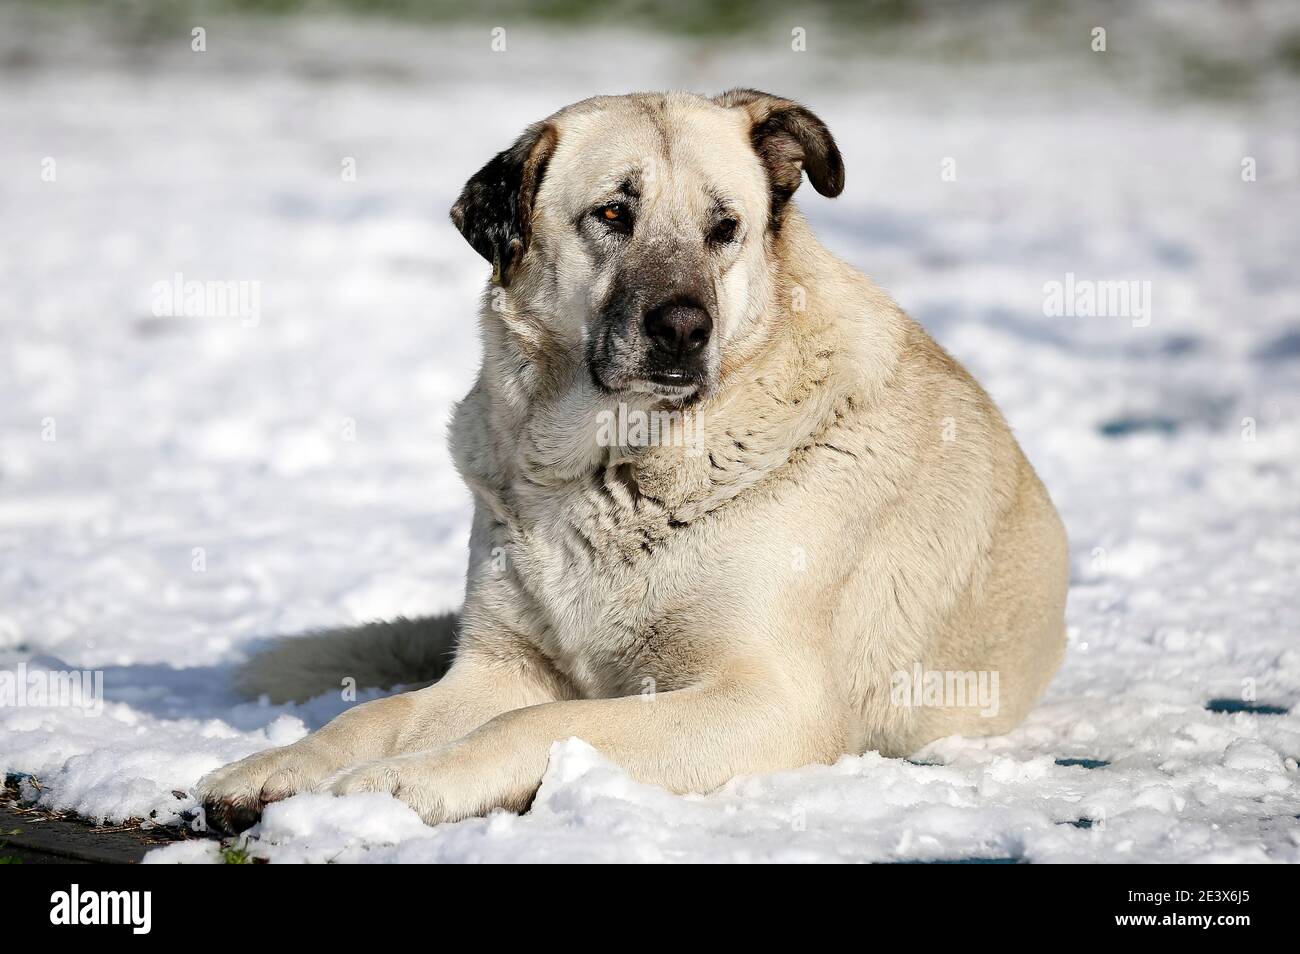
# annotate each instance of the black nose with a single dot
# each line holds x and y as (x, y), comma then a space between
(680, 328)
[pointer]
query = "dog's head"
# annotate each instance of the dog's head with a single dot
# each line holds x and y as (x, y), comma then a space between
(639, 229)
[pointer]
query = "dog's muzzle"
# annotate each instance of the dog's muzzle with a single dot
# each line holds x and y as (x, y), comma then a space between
(676, 335)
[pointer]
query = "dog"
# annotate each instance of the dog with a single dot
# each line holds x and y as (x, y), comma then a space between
(832, 513)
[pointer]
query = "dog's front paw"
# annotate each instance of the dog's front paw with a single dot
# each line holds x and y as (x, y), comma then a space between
(441, 785)
(233, 796)
(414, 779)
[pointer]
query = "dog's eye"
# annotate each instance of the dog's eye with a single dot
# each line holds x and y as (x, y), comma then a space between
(724, 232)
(616, 216)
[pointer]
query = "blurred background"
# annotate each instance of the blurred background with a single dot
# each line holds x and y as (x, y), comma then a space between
(175, 485)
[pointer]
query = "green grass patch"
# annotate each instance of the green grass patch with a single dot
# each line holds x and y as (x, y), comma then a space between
(235, 855)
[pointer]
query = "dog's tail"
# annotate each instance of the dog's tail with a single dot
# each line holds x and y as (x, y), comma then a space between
(399, 652)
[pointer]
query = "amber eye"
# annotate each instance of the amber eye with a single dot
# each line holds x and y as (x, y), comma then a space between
(616, 216)
(724, 232)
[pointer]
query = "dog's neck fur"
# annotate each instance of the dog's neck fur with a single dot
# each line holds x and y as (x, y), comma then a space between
(538, 419)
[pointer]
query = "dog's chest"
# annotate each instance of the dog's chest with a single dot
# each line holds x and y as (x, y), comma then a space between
(595, 557)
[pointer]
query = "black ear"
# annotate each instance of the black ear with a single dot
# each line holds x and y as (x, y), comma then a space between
(789, 140)
(494, 211)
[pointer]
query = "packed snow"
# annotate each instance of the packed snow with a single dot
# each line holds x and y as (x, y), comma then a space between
(175, 490)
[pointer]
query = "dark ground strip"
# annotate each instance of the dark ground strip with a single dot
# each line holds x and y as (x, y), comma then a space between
(30, 838)
(34, 836)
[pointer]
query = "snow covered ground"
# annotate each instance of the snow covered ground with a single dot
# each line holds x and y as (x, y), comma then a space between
(173, 489)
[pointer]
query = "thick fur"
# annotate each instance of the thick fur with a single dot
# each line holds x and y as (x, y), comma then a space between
(854, 505)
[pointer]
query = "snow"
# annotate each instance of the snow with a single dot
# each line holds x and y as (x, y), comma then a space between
(215, 481)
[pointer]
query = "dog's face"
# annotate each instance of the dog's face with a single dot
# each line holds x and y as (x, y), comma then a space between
(638, 228)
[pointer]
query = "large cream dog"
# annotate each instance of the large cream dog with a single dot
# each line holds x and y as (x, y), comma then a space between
(734, 509)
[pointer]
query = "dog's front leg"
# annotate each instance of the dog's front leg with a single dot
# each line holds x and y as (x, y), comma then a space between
(477, 687)
(687, 740)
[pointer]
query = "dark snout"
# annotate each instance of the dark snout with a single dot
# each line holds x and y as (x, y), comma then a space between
(678, 333)
(655, 330)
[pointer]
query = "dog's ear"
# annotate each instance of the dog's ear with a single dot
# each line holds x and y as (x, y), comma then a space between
(789, 140)
(495, 209)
